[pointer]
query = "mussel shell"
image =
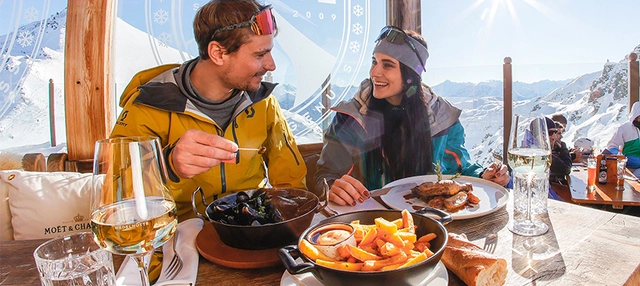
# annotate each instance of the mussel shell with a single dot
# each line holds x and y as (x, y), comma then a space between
(242, 197)
(292, 209)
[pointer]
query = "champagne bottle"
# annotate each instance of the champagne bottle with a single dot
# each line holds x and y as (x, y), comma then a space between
(602, 172)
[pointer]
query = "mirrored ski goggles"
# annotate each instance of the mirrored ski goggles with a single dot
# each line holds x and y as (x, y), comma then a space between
(397, 36)
(263, 23)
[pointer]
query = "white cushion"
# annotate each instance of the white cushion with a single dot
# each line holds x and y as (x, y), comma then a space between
(48, 204)
(6, 231)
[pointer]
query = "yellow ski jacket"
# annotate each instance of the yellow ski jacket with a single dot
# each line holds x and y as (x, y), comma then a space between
(153, 104)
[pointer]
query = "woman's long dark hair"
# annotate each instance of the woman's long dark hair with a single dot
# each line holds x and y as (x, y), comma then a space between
(404, 149)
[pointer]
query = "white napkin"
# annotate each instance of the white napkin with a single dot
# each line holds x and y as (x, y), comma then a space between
(368, 204)
(128, 274)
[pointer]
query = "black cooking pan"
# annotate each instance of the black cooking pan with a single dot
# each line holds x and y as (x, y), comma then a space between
(412, 275)
(296, 206)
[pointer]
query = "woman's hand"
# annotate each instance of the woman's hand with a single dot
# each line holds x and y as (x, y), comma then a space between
(497, 173)
(347, 191)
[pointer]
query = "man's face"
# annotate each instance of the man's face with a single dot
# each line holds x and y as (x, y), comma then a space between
(555, 135)
(245, 68)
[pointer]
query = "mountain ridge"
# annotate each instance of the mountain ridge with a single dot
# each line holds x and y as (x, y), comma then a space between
(594, 103)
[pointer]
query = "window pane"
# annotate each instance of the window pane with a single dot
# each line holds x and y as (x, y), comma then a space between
(323, 50)
(565, 59)
(32, 53)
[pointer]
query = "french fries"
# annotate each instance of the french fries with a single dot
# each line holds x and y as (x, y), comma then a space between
(386, 245)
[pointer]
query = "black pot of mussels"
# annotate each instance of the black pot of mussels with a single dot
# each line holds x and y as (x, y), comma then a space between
(262, 218)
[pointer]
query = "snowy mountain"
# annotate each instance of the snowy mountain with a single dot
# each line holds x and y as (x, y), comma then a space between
(521, 90)
(25, 119)
(24, 104)
(595, 104)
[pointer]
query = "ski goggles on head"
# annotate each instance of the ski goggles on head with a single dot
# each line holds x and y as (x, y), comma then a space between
(397, 36)
(263, 23)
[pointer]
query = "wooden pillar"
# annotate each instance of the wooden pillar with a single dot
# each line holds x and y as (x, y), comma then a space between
(634, 80)
(507, 92)
(88, 86)
(404, 14)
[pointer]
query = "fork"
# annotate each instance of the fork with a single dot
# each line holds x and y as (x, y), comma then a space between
(327, 192)
(490, 243)
(175, 265)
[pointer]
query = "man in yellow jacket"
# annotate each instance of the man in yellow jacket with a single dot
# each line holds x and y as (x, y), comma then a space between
(206, 108)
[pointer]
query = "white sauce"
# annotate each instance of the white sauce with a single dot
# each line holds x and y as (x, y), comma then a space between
(333, 236)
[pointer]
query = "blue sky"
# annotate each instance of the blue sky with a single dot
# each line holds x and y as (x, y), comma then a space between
(468, 39)
(556, 39)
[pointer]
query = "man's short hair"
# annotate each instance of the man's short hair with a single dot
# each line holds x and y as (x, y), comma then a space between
(221, 13)
(559, 118)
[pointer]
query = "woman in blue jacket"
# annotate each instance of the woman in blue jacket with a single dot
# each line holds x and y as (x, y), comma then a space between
(394, 127)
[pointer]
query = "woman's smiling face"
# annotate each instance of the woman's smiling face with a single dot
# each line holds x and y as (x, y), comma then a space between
(386, 77)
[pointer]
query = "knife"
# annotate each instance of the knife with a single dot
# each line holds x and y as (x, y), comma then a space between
(383, 191)
(377, 193)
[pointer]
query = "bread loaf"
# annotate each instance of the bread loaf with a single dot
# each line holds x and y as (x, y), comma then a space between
(472, 264)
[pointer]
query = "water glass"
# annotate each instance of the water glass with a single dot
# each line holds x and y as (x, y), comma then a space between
(74, 259)
(622, 164)
(591, 173)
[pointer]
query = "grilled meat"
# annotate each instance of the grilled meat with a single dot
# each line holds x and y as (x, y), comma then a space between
(456, 201)
(446, 195)
(441, 188)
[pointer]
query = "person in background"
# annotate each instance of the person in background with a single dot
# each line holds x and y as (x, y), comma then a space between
(627, 138)
(394, 127)
(558, 117)
(561, 159)
(576, 153)
(204, 109)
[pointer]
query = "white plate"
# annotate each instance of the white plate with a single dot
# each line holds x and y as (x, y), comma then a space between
(438, 277)
(492, 196)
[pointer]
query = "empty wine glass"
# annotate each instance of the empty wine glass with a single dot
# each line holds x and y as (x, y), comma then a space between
(529, 156)
(132, 211)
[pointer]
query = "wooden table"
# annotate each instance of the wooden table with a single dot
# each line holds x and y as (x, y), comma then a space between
(604, 194)
(584, 246)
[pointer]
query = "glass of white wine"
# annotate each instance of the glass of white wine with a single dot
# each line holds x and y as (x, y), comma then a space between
(132, 210)
(529, 156)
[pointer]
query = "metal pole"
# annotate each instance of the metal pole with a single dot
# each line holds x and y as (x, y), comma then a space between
(404, 14)
(507, 82)
(52, 113)
(634, 80)
(326, 101)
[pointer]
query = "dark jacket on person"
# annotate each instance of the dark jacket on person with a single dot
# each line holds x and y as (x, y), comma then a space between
(560, 163)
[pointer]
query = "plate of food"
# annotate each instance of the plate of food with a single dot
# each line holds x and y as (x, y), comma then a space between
(463, 197)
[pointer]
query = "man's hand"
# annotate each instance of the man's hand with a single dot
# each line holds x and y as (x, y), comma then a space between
(197, 151)
(578, 154)
(498, 173)
(347, 190)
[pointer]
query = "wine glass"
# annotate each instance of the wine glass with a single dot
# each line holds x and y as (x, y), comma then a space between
(529, 156)
(132, 210)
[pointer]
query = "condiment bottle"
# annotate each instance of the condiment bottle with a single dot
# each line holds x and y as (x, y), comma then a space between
(602, 172)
